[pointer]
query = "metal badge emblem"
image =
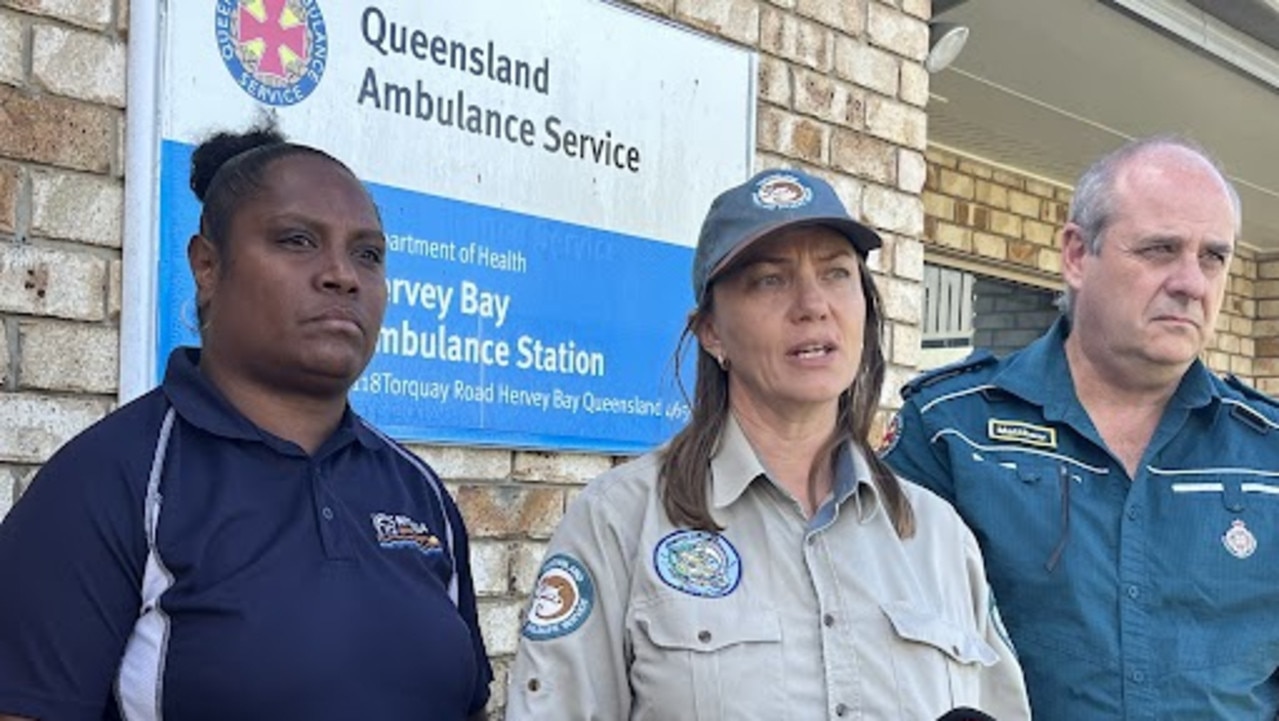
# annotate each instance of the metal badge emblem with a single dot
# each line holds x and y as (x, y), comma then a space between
(1239, 540)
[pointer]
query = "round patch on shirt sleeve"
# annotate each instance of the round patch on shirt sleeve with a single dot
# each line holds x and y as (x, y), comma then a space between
(562, 600)
(699, 563)
(892, 434)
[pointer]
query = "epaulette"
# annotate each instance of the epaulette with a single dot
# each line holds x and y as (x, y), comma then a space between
(1252, 393)
(1250, 416)
(979, 358)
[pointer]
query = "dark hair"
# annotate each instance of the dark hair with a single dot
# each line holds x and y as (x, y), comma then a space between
(685, 463)
(228, 168)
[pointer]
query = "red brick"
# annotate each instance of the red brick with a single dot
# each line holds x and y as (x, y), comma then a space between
(865, 157)
(9, 189)
(496, 511)
(1023, 253)
(1268, 347)
(807, 140)
(56, 131)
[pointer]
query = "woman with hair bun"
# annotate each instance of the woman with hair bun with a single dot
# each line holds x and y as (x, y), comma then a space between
(238, 543)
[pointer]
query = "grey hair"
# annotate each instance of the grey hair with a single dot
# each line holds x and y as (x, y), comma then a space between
(1092, 205)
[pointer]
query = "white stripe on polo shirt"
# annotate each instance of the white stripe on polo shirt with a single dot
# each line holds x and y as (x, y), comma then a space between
(139, 687)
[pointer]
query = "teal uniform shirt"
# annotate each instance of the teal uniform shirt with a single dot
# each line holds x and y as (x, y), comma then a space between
(1152, 597)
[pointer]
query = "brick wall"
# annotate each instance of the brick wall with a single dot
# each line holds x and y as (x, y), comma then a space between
(1265, 299)
(1008, 317)
(1005, 219)
(841, 92)
(1009, 221)
(62, 70)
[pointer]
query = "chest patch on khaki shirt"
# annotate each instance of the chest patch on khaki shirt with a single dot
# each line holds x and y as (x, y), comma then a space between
(699, 563)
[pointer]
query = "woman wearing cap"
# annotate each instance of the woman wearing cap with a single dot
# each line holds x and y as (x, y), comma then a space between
(238, 544)
(765, 564)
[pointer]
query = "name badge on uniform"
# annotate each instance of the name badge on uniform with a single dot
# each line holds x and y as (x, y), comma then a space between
(1027, 434)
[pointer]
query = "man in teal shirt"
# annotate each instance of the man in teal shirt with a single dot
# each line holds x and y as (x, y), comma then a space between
(1125, 498)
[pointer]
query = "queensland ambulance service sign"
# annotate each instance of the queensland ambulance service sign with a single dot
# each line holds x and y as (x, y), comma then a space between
(541, 168)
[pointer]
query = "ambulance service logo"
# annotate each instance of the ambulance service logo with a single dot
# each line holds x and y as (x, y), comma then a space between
(275, 50)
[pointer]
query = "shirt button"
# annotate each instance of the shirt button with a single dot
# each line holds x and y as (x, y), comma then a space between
(534, 684)
(841, 709)
(704, 636)
(1132, 513)
(327, 513)
(1138, 677)
(1133, 592)
(829, 620)
(812, 540)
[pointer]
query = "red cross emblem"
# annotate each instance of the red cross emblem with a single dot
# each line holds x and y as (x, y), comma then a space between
(271, 31)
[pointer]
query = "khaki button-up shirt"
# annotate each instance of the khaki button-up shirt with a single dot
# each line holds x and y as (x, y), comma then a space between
(778, 617)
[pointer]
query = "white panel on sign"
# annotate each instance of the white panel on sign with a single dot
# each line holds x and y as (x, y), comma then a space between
(541, 168)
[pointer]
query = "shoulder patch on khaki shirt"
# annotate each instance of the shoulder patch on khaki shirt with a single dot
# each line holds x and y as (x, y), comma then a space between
(562, 600)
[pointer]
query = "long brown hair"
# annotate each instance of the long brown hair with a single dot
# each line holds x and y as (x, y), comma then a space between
(685, 468)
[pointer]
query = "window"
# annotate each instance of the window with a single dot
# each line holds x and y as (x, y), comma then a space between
(964, 311)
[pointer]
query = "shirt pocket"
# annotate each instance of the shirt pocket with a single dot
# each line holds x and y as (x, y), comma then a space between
(937, 660)
(1030, 495)
(694, 656)
(1213, 554)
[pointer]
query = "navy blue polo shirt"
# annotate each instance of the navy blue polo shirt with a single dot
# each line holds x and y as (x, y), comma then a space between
(1151, 597)
(252, 581)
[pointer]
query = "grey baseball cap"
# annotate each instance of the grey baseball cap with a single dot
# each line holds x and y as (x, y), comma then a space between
(771, 201)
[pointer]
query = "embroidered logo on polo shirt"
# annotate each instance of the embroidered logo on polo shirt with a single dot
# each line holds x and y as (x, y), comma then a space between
(562, 600)
(699, 563)
(399, 531)
(1020, 432)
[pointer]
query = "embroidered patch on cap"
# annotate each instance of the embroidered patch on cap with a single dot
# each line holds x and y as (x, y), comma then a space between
(1239, 540)
(562, 599)
(892, 434)
(782, 191)
(699, 563)
(1020, 432)
(398, 531)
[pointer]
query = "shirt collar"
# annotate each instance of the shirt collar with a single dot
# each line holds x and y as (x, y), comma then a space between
(735, 466)
(1040, 375)
(203, 406)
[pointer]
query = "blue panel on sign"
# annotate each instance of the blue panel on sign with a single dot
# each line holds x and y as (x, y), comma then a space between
(501, 328)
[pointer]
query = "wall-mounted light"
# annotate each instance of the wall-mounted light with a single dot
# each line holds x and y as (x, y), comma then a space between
(945, 41)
